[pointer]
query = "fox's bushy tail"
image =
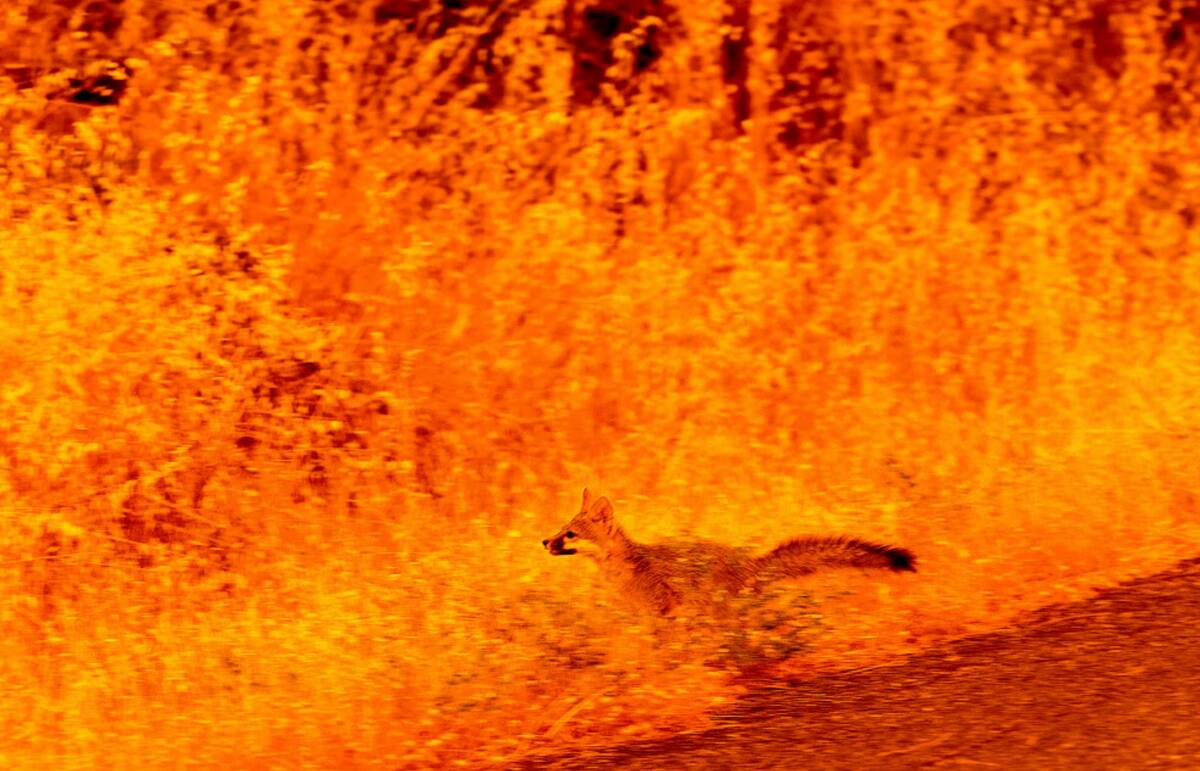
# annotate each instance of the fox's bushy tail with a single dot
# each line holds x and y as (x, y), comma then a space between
(801, 556)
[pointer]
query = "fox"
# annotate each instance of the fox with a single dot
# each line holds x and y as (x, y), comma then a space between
(665, 577)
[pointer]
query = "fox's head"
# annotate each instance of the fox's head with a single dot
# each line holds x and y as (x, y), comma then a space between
(594, 523)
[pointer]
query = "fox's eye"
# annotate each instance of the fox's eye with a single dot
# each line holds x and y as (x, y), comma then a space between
(570, 534)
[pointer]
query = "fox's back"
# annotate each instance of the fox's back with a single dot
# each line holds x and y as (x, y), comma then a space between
(697, 569)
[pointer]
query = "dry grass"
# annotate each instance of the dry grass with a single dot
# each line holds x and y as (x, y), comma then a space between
(318, 317)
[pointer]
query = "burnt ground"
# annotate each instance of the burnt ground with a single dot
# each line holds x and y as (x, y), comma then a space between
(1112, 682)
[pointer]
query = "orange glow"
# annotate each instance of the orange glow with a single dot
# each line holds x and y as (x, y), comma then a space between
(316, 317)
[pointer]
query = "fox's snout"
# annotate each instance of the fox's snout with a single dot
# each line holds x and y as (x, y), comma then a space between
(556, 545)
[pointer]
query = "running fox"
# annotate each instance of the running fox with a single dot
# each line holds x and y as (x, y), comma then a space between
(663, 576)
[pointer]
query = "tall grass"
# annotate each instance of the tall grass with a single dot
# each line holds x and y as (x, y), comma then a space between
(317, 317)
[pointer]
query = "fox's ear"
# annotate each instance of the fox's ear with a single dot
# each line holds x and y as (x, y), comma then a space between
(601, 510)
(587, 499)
